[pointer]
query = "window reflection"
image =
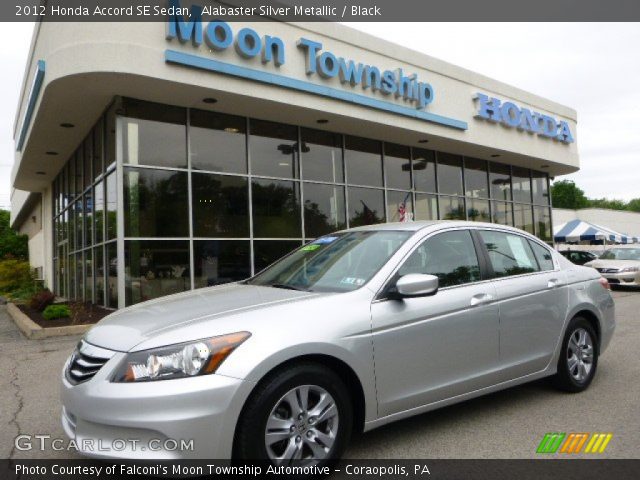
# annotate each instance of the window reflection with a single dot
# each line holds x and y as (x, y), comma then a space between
(478, 210)
(476, 178)
(324, 209)
(154, 268)
(364, 161)
(543, 223)
(397, 165)
(451, 208)
(155, 202)
(521, 185)
(399, 206)
(218, 142)
(540, 188)
(265, 252)
(523, 217)
(366, 206)
(273, 149)
(220, 205)
(509, 254)
(502, 213)
(500, 181)
(322, 156)
(426, 207)
(276, 209)
(424, 170)
(450, 174)
(220, 261)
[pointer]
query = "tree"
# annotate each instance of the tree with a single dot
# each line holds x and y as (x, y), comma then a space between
(634, 205)
(565, 194)
(12, 245)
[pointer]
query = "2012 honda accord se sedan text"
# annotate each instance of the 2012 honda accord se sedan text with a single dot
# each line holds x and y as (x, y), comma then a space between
(349, 332)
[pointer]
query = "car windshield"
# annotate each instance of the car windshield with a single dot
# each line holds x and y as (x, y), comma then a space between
(621, 254)
(339, 262)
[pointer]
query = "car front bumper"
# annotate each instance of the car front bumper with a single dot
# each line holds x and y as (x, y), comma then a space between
(186, 418)
(631, 279)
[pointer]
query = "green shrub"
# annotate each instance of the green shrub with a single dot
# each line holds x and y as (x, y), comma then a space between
(56, 311)
(15, 277)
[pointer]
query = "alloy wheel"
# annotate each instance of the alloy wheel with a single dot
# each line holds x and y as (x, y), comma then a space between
(302, 426)
(580, 352)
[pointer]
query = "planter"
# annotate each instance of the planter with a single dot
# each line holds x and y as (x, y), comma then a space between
(34, 331)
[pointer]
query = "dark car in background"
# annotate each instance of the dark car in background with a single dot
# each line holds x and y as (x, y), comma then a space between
(578, 257)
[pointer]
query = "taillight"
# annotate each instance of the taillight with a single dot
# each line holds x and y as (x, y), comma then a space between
(605, 283)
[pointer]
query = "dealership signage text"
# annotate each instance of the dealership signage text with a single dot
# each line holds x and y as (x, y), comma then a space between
(511, 115)
(248, 44)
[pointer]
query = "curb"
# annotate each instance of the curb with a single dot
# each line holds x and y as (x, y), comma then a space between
(33, 331)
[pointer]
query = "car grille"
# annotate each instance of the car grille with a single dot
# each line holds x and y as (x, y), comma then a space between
(86, 361)
(608, 270)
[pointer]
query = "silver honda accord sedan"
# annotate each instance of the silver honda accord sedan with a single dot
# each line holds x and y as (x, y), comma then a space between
(350, 332)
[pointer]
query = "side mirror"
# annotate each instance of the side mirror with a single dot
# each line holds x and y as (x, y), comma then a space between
(416, 285)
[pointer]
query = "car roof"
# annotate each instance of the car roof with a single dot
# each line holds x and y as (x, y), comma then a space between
(433, 224)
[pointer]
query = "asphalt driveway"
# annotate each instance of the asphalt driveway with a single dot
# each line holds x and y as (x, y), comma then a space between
(507, 424)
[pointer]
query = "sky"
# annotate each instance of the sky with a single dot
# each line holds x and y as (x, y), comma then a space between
(593, 68)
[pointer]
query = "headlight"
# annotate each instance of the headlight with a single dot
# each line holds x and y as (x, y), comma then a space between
(628, 269)
(201, 357)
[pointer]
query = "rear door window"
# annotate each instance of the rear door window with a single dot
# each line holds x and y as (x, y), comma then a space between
(544, 257)
(509, 254)
(450, 256)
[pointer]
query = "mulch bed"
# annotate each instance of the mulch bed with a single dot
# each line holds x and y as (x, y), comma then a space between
(81, 314)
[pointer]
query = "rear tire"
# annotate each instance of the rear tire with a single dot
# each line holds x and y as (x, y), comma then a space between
(282, 427)
(578, 359)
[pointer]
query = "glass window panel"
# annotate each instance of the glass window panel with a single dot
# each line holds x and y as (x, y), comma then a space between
(450, 256)
(523, 217)
(88, 217)
(265, 252)
(88, 275)
(273, 149)
(322, 156)
(324, 209)
(366, 206)
(79, 169)
(543, 255)
(521, 185)
(154, 134)
(72, 277)
(478, 210)
(98, 134)
(500, 181)
(509, 254)
(399, 206)
(276, 209)
(476, 178)
(426, 207)
(62, 273)
(220, 261)
(79, 224)
(112, 202)
(71, 175)
(155, 268)
(424, 170)
(502, 213)
(450, 174)
(99, 269)
(110, 139)
(543, 223)
(218, 142)
(155, 203)
(452, 208)
(79, 277)
(397, 165)
(364, 161)
(88, 160)
(540, 188)
(112, 275)
(220, 205)
(99, 212)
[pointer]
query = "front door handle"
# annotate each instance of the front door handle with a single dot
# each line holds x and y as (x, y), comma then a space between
(481, 299)
(553, 283)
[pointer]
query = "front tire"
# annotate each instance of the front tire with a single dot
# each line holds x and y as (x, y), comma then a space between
(300, 415)
(578, 357)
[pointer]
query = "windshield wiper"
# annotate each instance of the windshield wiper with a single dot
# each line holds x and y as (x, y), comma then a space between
(286, 286)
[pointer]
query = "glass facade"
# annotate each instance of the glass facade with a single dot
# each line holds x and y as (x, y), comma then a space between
(161, 199)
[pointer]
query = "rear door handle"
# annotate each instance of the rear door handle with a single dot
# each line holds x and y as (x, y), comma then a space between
(481, 298)
(553, 283)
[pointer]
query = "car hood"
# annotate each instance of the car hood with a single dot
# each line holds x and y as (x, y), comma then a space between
(126, 328)
(612, 263)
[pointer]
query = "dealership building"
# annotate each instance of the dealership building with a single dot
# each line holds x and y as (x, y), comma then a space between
(153, 158)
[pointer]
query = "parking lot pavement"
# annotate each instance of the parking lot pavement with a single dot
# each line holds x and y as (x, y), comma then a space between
(507, 424)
